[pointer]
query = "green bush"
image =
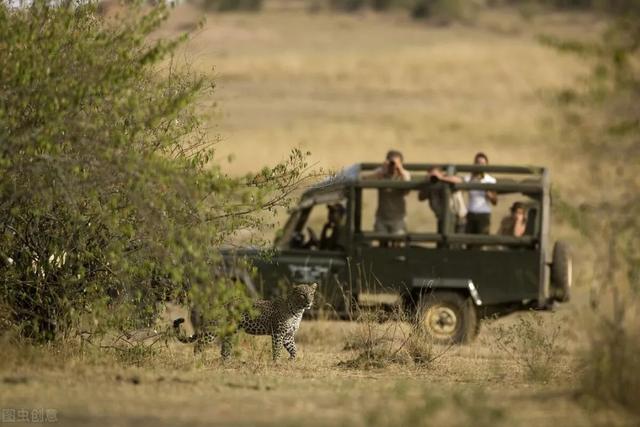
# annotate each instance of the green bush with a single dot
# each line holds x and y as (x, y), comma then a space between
(109, 200)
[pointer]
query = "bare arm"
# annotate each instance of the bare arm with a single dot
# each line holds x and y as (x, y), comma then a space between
(404, 174)
(445, 178)
(492, 197)
(376, 174)
(424, 192)
(451, 179)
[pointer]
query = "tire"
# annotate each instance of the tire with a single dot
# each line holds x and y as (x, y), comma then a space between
(561, 272)
(448, 317)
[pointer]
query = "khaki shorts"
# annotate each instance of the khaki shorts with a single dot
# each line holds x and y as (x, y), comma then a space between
(396, 228)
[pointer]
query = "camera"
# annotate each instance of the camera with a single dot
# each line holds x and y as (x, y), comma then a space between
(392, 165)
(433, 179)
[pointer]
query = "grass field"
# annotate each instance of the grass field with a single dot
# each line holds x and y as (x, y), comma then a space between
(347, 88)
(478, 385)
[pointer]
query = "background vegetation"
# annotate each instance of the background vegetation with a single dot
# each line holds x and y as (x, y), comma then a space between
(610, 139)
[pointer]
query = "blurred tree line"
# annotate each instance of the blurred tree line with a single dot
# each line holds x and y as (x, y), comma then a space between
(110, 201)
(446, 11)
(438, 11)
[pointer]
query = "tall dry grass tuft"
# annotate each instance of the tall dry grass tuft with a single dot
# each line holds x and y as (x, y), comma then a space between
(382, 339)
(533, 344)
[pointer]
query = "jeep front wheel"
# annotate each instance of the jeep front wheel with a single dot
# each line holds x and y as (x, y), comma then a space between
(447, 317)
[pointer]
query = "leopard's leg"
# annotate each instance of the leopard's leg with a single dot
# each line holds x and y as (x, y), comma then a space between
(225, 348)
(276, 344)
(290, 345)
(203, 341)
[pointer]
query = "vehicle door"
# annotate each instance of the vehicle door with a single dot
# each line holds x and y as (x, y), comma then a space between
(303, 257)
(379, 258)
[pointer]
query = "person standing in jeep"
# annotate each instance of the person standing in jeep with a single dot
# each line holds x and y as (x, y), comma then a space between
(392, 207)
(480, 201)
(436, 197)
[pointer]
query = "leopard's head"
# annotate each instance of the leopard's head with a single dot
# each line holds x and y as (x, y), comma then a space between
(302, 295)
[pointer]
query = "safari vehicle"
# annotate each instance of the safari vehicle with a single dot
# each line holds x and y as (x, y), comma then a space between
(450, 280)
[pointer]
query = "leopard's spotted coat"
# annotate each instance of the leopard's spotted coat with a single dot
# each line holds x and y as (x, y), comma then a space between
(279, 318)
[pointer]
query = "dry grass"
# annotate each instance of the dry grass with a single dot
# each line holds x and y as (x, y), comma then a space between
(610, 359)
(350, 87)
(533, 343)
(470, 383)
(380, 339)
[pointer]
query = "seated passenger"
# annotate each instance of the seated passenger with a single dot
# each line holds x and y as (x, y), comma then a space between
(514, 224)
(332, 236)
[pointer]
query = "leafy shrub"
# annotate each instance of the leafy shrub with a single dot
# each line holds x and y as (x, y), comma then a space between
(109, 201)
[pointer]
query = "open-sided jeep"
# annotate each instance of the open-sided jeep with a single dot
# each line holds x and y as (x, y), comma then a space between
(449, 279)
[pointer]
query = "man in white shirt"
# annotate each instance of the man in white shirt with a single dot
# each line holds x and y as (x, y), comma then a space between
(480, 201)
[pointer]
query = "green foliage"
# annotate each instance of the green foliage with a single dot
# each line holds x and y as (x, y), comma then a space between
(220, 306)
(109, 201)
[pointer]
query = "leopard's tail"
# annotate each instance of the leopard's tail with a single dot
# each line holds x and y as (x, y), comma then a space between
(179, 335)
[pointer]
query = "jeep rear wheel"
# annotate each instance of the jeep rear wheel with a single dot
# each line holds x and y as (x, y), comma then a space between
(561, 272)
(447, 317)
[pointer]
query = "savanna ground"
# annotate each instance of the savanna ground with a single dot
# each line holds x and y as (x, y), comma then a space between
(347, 88)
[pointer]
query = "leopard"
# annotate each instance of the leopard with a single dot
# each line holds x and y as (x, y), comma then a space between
(280, 318)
